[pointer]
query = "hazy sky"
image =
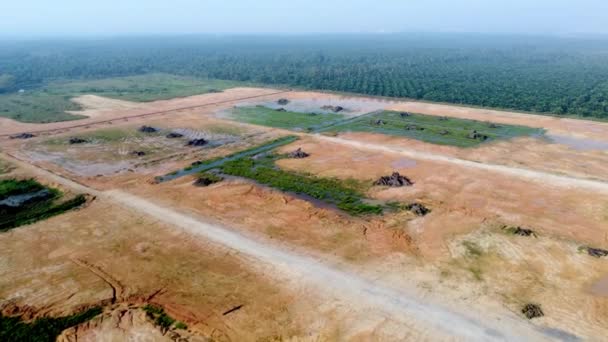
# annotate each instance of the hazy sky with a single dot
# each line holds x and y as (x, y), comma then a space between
(112, 17)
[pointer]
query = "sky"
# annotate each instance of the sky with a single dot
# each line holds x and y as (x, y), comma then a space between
(136, 17)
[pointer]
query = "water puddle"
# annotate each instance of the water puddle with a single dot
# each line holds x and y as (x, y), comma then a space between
(579, 144)
(20, 200)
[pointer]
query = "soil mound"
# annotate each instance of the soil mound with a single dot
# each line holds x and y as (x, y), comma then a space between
(298, 154)
(22, 136)
(76, 140)
(532, 311)
(148, 129)
(174, 135)
(394, 180)
(283, 102)
(197, 142)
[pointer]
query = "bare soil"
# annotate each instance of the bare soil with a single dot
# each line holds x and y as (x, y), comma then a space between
(456, 255)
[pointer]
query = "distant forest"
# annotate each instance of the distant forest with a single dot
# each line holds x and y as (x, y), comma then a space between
(565, 76)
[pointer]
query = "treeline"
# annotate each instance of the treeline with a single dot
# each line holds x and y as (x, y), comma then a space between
(564, 76)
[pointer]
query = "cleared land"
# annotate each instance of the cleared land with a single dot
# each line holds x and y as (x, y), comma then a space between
(471, 252)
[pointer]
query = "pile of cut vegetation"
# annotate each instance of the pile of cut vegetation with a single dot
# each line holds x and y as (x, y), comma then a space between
(27, 201)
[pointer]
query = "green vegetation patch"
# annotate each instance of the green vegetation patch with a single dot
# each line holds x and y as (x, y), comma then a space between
(27, 201)
(38, 106)
(50, 102)
(144, 88)
(201, 166)
(14, 329)
(265, 116)
(433, 129)
(329, 190)
(161, 318)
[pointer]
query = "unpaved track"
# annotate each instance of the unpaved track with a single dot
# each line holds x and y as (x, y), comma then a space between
(536, 176)
(427, 321)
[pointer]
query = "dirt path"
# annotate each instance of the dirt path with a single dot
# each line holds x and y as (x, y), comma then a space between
(425, 319)
(536, 176)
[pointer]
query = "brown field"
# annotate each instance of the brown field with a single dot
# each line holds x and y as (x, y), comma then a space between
(174, 244)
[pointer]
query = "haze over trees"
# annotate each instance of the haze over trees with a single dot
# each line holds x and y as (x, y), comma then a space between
(564, 76)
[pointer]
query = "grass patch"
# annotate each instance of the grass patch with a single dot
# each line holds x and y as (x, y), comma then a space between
(24, 202)
(329, 190)
(144, 88)
(432, 129)
(265, 116)
(14, 329)
(50, 103)
(181, 326)
(206, 165)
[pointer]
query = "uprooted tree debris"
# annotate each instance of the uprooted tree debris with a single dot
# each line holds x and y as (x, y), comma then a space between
(412, 127)
(379, 122)
(148, 129)
(477, 136)
(334, 109)
(394, 180)
(532, 311)
(283, 102)
(22, 136)
(519, 231)
(298, 154)
(236, 308)
(77, 140)
(197, 142)
(596, 252)
(174, 135)
(418, 209)
(206, 179)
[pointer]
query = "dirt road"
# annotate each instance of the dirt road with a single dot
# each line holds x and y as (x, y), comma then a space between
(425, 320)
(536, 176)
